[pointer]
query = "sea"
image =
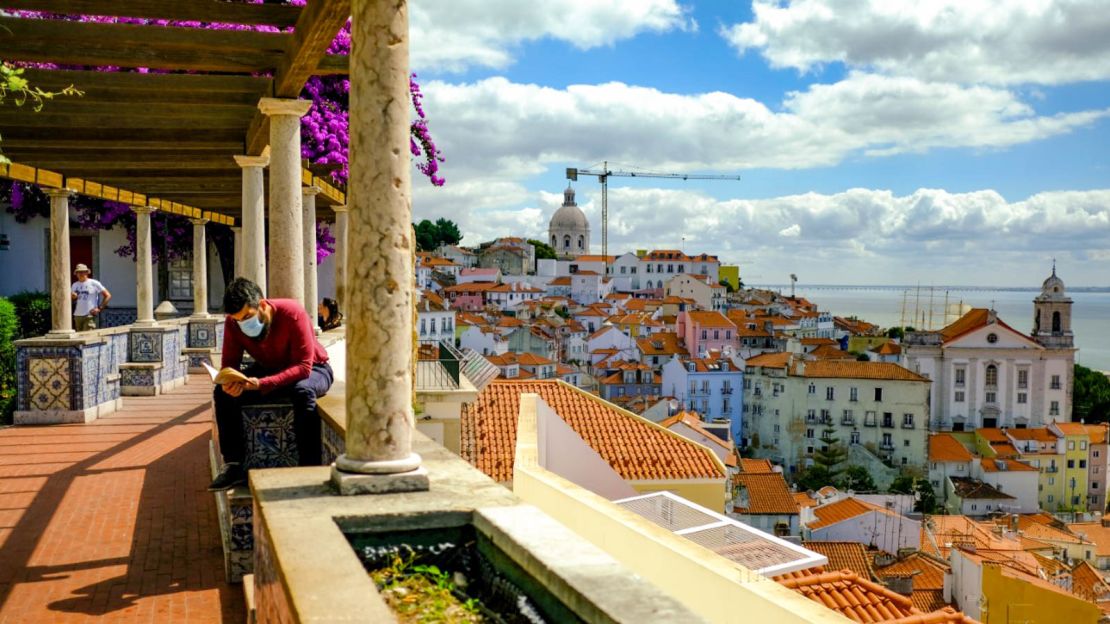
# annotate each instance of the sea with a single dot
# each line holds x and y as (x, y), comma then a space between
(935, 306)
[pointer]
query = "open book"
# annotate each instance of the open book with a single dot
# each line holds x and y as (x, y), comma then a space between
(224, 375)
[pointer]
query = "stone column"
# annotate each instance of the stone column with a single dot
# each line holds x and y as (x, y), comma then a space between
(200, 269)
(341, 214)
(237, 242)
(286, 236)
(144, 274)
(379, 455)
(253, 256)
(61, 301)
(308, 220)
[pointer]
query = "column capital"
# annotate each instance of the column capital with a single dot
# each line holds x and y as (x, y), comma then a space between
(310, 191)
(57, 192)
(200, 222)
(143, 209)
(284, 106)
(235, 228)
(341, 208)
(244, 160)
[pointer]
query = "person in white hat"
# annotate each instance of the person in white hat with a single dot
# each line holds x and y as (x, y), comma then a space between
(91, 297)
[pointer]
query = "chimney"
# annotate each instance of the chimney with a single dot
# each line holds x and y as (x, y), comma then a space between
(900, 584)
(1014, 523)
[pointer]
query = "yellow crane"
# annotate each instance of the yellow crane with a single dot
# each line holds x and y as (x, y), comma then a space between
(603, 176)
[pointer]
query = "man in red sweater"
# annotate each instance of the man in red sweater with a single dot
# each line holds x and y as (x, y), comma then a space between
(288, 363)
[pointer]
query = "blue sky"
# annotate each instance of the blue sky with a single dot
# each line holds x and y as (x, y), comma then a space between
(876, 139)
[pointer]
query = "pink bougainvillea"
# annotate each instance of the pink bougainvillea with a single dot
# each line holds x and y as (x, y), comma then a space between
(325, 137)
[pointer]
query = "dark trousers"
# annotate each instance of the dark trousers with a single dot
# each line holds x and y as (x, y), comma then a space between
(306, 422)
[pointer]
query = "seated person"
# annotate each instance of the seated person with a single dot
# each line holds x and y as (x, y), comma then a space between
(330, 318)
(289, 364)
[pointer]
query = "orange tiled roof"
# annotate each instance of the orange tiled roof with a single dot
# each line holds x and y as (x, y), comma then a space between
(856, 370)
(594, 258)
(1005, 465)
(1071, 428)
(853, 597)
(842, 510)
(1094, 532)
(767, 494)
(770, 360)
(992, 434)
(829, 352)
(974, 319)
(709, 319)
(928, 573)
(660, 343)
(634, 447)
(887, 348)
(803, 499)
(1098, 433)
(943, 447)
(1039, 434)
(755, 466)
(1088, 583)
(845, 556)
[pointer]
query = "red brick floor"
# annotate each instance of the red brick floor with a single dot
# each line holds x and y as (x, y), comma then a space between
(111, 522)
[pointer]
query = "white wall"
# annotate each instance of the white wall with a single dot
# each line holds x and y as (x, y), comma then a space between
(564, 452)
(23, 265)
(886, 532)
(967, 583)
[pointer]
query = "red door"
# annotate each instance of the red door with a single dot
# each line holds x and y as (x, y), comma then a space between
(81, 252)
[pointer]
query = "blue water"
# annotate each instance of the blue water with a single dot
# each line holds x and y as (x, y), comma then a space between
(883, 305)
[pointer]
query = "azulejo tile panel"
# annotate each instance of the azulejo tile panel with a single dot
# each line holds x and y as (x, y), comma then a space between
(202, 334)
(332, 442)
(146, 346)
(49, 383)
(268, 436)
(136, 376)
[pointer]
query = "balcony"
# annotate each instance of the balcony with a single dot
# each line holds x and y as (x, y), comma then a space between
(888, 424)
(727, 390)
(1052, 469)
(869, 423)
(886, 446)
(848, 420)
(907, 425)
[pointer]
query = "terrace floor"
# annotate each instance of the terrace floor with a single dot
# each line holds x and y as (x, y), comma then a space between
(110, 521)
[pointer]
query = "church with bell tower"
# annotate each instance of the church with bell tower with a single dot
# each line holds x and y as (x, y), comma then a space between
(1052, 314)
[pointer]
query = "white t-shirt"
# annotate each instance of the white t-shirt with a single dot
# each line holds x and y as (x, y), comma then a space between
(88, 296)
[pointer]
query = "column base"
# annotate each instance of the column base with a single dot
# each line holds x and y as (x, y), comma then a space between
(61, 333)
(145, 324)
(353, 483)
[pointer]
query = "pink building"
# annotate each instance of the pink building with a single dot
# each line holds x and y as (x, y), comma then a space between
(702, 331)
(470, 297)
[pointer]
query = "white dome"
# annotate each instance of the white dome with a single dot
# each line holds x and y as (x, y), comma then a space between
(569, 217)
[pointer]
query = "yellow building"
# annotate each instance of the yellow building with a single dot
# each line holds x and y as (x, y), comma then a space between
(1000, 594)
(730, 274)
(1074, 475)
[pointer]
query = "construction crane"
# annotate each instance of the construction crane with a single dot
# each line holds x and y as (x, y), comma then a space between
(603, 176)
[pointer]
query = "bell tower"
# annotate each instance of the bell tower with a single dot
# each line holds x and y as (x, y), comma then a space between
(1052, 314)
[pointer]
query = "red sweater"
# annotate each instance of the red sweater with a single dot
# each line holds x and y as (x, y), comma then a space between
(287, 350)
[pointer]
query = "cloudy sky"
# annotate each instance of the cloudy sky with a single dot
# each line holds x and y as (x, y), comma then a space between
(878, 141)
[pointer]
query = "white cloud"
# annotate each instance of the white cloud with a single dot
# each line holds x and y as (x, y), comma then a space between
(495, 125)
(868, 233)
(451, 35)
(967, 41)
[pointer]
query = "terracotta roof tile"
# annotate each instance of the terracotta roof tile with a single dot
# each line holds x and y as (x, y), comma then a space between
(755, 466)
(973, 319)
(856, 370)
(1039, 434)
(1071, 428)
(1005, 465)
(661, 343)
(853, 597)
(845, 556)
(1088, 583)
(767, 494)
(944, 447)
(636, 448)
(844, 509)
(928, 573)
(770, 360)
(967, 487)
(1094, 532)
(803, 499)
(709, 319)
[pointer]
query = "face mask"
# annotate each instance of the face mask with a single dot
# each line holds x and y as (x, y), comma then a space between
(252, 327)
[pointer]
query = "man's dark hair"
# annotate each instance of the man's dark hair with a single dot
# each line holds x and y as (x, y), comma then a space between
(241, 292)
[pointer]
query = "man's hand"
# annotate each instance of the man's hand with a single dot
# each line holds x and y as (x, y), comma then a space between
(233, 388)
(94, 311)
(252, 383)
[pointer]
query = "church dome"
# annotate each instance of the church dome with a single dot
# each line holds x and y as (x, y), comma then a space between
(1053, 285)
(569, 216)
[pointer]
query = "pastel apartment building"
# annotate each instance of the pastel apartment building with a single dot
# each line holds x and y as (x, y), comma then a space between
(703, 331)
(712, 387)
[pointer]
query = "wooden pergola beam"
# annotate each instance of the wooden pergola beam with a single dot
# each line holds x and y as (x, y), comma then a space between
(96, 81)
(209, 11)
(130, 45)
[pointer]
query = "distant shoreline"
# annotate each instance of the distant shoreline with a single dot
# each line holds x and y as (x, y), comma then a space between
(801, 286)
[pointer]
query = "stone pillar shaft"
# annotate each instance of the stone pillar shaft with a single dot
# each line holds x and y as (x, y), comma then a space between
(144, 273)
(308, 219)
(380, 289)
(61, 302)
(287, 245)
(252, 258)
(237, 242)
(200, 269)
(341, 224)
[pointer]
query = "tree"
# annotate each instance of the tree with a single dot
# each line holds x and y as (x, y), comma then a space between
(431, 236)
(857, 479)
(1091, 395)
(543, 250)
(831, 453)
(814, 478)
(898, 333)
(926, 498)
(902, 484)
(728, 285)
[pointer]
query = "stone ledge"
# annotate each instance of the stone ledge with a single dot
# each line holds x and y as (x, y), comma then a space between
(59, 417)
